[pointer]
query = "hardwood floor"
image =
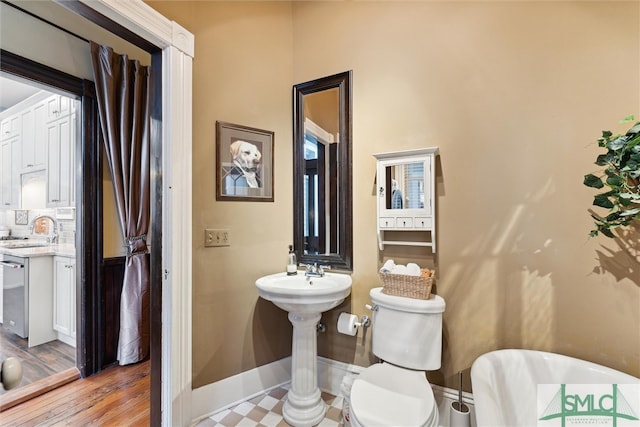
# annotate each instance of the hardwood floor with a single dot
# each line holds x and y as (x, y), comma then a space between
(117, 396)
(38, 362)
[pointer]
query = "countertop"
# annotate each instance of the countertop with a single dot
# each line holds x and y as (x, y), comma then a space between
(49, 250)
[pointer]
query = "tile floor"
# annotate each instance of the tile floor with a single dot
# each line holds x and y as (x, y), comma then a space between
(265, 410)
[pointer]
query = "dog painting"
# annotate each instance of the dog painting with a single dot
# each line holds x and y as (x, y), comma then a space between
(244, 163)
(247, 157)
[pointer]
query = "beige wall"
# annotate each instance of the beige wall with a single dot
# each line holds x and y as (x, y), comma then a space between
(513, 93)
(242, 75)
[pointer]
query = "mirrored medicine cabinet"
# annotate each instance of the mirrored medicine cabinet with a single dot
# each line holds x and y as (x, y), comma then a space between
(406, 197)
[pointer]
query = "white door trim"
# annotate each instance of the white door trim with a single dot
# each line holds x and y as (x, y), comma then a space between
(178, 47)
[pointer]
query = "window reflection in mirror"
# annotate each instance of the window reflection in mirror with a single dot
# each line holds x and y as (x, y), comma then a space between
(321, 169)
(405, 186)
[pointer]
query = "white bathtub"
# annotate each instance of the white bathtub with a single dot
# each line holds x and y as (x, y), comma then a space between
(505, 383)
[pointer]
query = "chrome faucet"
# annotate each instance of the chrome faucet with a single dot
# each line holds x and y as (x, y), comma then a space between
(315, 270)
(53, 234)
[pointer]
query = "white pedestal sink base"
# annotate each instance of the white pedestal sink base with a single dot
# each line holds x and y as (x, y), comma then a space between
(304, 412)
(304, 298)
(304, 407)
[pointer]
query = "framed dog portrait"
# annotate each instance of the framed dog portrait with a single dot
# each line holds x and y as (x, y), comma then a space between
(244, 163)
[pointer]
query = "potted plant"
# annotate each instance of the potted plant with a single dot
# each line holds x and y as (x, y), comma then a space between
(620, 179)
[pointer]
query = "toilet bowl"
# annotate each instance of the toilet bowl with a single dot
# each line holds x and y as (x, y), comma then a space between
(407, 336)
(385, 395)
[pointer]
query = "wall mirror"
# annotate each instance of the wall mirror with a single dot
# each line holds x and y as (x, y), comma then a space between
(322, 217)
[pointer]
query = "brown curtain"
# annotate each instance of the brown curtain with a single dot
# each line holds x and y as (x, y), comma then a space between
(122, 87)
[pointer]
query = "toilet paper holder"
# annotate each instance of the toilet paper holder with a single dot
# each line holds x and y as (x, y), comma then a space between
(354, 323)
(364, 321)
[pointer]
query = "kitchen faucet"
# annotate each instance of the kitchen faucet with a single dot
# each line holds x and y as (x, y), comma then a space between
(53, 234)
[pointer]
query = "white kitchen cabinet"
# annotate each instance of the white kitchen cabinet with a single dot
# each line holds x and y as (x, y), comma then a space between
(58, 106)
(40, 282)
(406, 197)
(60, 139)
(10, 173)
(64, 299)
(33, 138)
(10, 127)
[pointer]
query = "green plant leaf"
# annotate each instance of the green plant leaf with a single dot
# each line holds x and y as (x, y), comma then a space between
(635, 139)
(635, 128)
(615, 181)
(603, 159)
(603, 201)
(617, 143)
(630, 212)
(621, 177)
(590, 180)
(607, 232)
(612, 217)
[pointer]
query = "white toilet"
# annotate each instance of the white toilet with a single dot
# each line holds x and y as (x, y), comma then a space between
(407, 336)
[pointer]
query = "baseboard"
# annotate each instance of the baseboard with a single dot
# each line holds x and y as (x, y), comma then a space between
(229, 392)
(332, 372)
(69, 340)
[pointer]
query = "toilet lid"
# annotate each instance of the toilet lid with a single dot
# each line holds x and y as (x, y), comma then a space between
(386, 395)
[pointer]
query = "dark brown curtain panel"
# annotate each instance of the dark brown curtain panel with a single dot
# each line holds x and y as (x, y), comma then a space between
(122, 87)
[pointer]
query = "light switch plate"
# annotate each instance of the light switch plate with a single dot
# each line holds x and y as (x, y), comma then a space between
(216, 237)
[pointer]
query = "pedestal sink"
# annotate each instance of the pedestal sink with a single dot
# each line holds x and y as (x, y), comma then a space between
(305, 298)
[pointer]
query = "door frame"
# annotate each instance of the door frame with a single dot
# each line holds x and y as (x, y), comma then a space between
(172, 48)
(88, 198)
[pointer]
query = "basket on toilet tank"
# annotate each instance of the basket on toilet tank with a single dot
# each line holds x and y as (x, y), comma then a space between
(404, 285)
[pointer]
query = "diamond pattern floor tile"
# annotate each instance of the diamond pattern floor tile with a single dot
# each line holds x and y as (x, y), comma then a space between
(265, 410)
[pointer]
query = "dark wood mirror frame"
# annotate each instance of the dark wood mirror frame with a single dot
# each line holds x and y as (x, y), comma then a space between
(343, 258)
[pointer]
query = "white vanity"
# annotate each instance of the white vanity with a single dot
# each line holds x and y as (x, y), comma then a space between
(406, 197)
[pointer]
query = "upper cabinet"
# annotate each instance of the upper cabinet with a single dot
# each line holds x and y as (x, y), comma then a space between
(33, 141)
(10, 127)
(38, 135)
(9, 173)
(406, 197)
(58, 107)
(61, 134)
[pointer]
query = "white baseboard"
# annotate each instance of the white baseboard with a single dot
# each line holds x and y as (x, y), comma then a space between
(331, 373)
(67, 339)
(445, 397)
(231, 391)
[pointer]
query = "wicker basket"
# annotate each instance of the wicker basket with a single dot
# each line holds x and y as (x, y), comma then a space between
(402, 285)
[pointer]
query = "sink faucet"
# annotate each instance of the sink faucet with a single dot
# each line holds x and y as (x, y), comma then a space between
(315, 270)
(53, 234)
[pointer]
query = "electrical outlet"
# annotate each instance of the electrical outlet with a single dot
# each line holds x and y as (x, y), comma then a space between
(216, 237)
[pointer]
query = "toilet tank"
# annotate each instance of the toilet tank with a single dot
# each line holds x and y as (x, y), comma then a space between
(407, 331)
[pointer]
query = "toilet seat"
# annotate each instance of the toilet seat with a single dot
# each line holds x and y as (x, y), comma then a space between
(387, 395)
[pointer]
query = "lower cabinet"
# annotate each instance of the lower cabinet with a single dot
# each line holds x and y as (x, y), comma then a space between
(64, 299)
